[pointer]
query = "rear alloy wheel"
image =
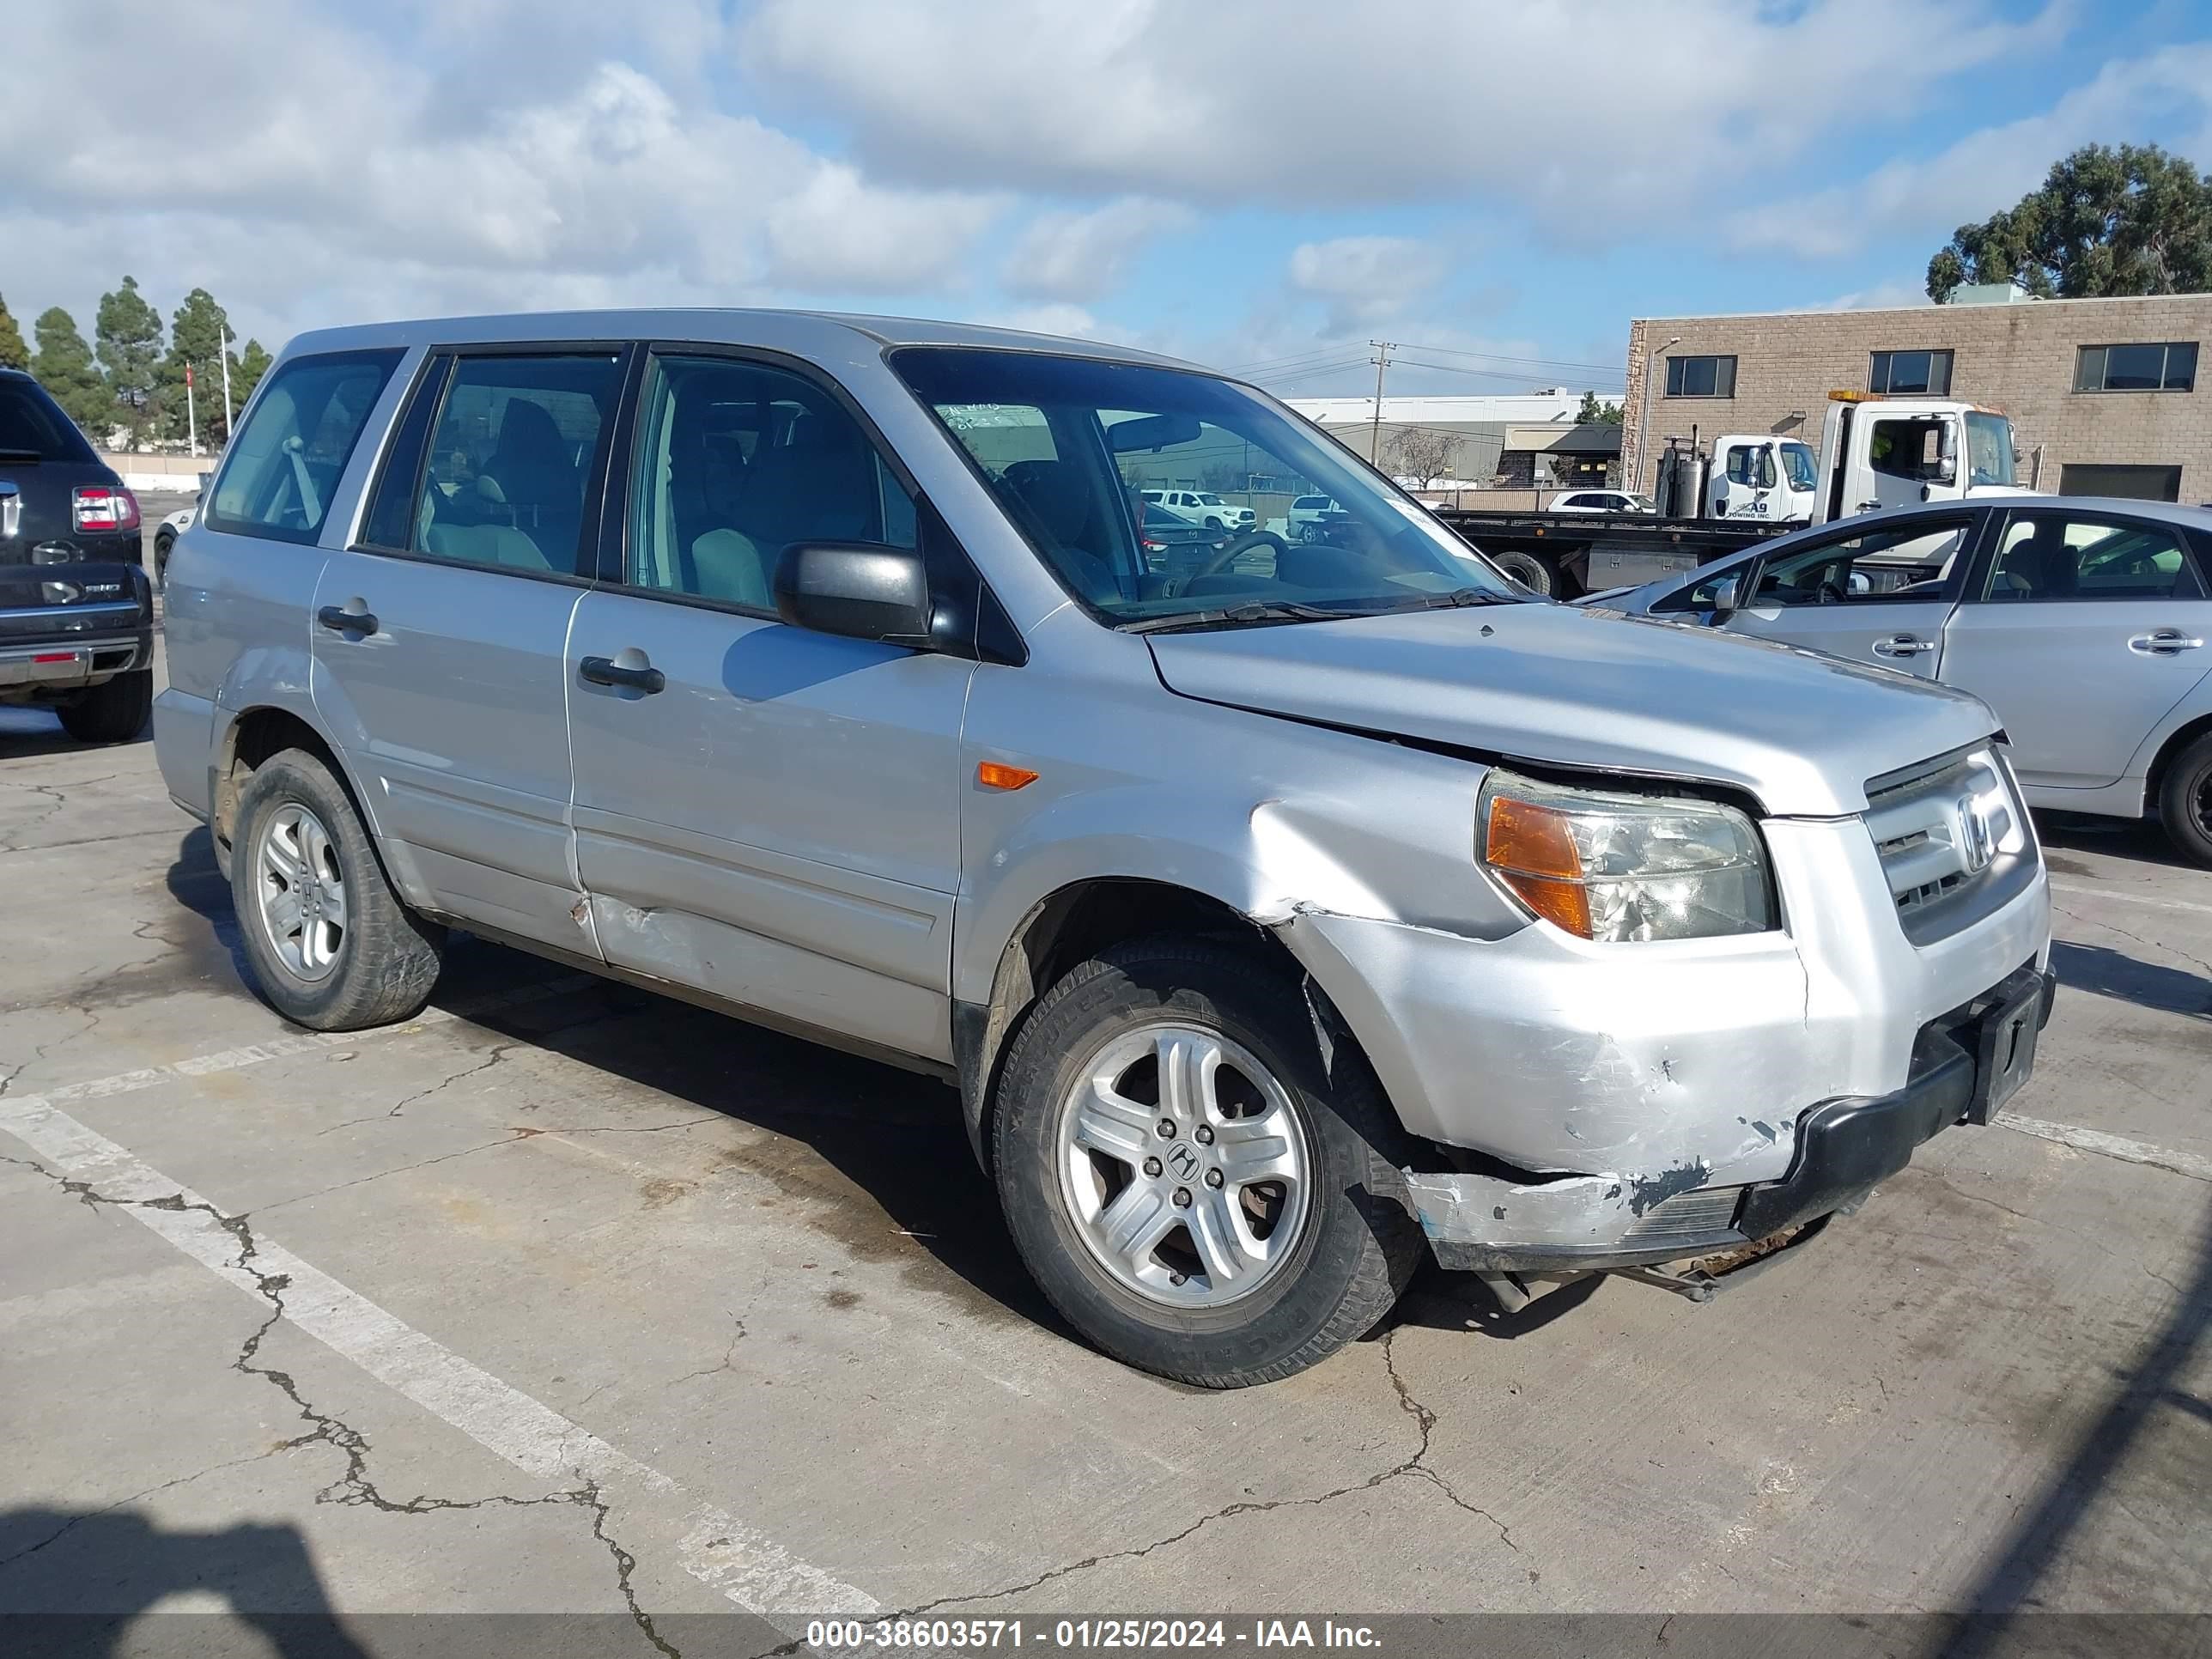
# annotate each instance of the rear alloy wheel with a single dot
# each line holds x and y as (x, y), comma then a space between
(115, 712)
(2184, 803)
(1192, 1186)
(332, 947)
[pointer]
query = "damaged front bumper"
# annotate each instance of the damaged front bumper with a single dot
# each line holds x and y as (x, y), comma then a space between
(1963, 1064)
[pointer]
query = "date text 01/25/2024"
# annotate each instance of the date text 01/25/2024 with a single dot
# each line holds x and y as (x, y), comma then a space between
(954, 1635)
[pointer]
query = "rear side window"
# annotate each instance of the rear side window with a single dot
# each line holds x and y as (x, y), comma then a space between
(285, 464)
(511, 456)
(32, 427)
(2052, 555)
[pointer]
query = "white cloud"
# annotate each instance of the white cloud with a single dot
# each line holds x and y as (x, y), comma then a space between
(1085, 256)
(1892, 295)
(1990, 169)
(1303, 103)
(1055, 317)
(1365, 280)
(357, 184)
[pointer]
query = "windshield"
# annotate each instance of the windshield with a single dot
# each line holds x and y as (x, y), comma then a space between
(1989, 449)
(1797, 462)
(1073, 446)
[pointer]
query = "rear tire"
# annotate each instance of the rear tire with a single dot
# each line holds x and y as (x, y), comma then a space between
(332, 947)
(162, 543)
(1532, 573)
(1264, 1101)
(114, 713)
(2184, 803)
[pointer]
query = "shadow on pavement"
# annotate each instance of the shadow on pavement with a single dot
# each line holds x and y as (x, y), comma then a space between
(109, 1566)
(2113, 974)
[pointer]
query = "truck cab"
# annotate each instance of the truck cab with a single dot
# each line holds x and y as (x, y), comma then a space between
(1880, 452)
(1764, 478)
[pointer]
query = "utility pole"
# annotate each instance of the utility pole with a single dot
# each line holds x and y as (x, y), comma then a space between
(222, 352)
(1382, 351)
(192, 418)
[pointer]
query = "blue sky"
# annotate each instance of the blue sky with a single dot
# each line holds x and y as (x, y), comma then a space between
(1257, 184)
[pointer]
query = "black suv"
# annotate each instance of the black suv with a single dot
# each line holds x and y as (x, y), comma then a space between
(77, 613)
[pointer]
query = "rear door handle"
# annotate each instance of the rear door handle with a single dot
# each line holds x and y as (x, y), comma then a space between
(351, 617)
(640, 675)
(1902, 645)
(2163, 642)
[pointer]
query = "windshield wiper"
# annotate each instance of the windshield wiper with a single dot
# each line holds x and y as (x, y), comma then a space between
(1456, 598)
(1236, 616)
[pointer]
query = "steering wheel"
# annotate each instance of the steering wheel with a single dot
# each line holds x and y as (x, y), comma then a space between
(1228, 551)
(1830, 591)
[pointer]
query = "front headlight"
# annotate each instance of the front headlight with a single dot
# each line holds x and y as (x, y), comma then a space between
(1619, 867)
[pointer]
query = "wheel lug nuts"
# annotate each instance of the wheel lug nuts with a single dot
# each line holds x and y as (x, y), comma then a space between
(1167, 1128)
(1182, 1198)
(1152, 1167)
(1203, 1134)
(1213, 1178)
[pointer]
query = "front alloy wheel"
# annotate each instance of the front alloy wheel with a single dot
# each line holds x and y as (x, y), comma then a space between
(1184, 1165)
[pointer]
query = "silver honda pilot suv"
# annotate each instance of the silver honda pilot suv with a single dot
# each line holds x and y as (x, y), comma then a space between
(1285, 907)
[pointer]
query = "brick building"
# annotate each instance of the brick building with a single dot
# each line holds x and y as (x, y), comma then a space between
(2103, 394)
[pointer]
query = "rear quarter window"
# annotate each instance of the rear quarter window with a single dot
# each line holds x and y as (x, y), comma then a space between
(286, 463)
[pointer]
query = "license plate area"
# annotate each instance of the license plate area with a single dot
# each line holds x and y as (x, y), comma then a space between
(2005, 1051)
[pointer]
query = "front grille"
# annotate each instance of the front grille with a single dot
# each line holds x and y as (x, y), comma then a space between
(1941, 829)
(1686, 1215)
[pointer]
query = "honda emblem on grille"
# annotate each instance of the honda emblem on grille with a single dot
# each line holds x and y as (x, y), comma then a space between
(1978, 834)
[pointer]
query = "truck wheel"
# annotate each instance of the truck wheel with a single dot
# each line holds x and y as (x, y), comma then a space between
(332, 947)
(114, 712)
(1532, 573)
(1186, 1179)
(2184, 803)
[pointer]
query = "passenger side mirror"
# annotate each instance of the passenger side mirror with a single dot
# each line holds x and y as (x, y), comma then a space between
(1946, 459)
(1724, 597)
(859, 590)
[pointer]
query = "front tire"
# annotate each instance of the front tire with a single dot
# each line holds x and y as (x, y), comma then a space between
(332, 947)
(2184, 803)
(1193, 1189)
(115, 712)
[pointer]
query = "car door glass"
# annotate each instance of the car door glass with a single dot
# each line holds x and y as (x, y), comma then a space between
(286, 462)
(2052, 555)
(510, 457)
(737, 461)
(1910, 561)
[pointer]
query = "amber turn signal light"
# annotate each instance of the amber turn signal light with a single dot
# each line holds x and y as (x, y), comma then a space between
(1532, 850)
(994, 775)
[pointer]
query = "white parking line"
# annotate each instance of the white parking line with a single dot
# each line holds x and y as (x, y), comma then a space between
(2105, 1145)
(742, 1563)
(2131, 898)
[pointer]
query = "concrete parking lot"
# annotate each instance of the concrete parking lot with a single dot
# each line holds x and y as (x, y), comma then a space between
(565, 1298)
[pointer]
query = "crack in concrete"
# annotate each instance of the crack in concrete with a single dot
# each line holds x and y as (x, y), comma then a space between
(507, 1140)
(2151, 944)
(60, 799)
(77, 1521)
(1424, 1420)
(498, 1052)
(354, 1487)
(728, 1354)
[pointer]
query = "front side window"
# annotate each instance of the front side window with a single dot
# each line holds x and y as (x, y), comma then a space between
(735, 461)
(1119, 431)
(1909, 449)
(1701, 377)
(2166, 365)
(1911, 373)
(285, 464)
(1905, 562)
(1798, 462)
(1990, 456)
(509, 457)
(2056, 555)
(1753, 467)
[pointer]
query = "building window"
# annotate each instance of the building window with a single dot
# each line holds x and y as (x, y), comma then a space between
(2143, 483)
(1914, 374)
(2164, 365)
(1701, 377)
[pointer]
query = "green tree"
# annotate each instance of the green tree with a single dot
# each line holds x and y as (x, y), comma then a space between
(196, 331)
(2134, 220)
(64, 367)
(246, 370)
(1593, 413)
(14, 354)
(129, 333)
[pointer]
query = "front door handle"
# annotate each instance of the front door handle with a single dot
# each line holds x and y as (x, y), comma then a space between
(1902, 645)
(351, 617)
(2163, 642)
(637, 676)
